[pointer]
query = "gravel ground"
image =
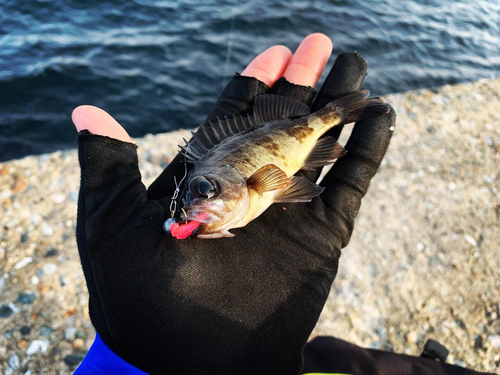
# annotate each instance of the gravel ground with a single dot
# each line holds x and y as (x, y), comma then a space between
(423, 262)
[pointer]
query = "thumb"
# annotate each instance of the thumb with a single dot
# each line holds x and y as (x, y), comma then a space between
(99, 122)
(111, 189)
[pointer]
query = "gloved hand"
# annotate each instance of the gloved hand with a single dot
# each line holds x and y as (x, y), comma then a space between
(242, 305)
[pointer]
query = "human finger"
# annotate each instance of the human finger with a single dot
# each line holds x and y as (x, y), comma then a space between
(97, 121)
(269, 65)
(346, 75)
(309, 60)
(348, 180)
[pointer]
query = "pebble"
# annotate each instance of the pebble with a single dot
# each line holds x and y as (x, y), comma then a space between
(51, 253)
(412, 337)
(63, 280)
(5, 311)
(73, 195)
(73, 360)
(36, 346)
(58, 198)
(47, 230)
(21, 344)
(5, 194)
(25, 330)
(470, 240)
(20, 185)
(26, 298)
(49, 268)
(24, 237)
(13, 307)
(2, 283)
(14, 361)
(494, 340)
(78, 343)
(23, 263)
(46, 330)
(70, 333)
(36, 219)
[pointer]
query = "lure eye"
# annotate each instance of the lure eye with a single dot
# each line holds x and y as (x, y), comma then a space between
(202, 187)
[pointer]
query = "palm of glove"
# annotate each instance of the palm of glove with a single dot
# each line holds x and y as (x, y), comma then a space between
(236, 305)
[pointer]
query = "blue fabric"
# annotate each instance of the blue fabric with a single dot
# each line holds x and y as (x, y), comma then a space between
(101, 360)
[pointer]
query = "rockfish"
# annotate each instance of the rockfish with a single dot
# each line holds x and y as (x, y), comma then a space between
(244, 164)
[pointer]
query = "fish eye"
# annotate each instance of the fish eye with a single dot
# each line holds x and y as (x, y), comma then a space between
(202, 187)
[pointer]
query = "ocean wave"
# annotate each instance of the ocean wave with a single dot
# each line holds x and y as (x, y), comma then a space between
(158, 66)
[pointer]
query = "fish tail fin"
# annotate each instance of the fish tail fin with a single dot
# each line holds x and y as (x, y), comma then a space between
(357, 106)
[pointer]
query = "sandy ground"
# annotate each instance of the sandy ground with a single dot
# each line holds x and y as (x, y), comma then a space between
(423, 262)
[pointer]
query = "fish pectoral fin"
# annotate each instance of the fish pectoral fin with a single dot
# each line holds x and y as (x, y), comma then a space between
(268, 178)
(326, 151)
(272, 107)
(208, 236)
(300, 189)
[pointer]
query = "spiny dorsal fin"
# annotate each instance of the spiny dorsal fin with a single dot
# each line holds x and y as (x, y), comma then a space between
(268, 178)
(277, 107)
(300, 189)
(326, 151)
(267, 108)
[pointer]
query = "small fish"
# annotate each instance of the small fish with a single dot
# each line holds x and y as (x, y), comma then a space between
(242, 165)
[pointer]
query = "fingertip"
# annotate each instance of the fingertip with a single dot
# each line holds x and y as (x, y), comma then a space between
(269, 65)
(284, 51)
(321, 39)
(98, 121)
(309, 60)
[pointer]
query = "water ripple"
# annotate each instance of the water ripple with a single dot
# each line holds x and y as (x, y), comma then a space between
(159, 65)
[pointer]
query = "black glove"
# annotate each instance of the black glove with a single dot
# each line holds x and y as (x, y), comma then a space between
(242, 305)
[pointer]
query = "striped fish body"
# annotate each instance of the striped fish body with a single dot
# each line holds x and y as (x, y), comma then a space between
(244, 164)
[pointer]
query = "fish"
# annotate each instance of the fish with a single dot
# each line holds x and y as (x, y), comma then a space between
(244, 164)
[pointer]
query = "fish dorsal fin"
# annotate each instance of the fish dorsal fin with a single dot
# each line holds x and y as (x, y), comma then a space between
(300, 189)
(271, 107)
(209, 136)
(266, 108)
(268, 178)
(326, 151)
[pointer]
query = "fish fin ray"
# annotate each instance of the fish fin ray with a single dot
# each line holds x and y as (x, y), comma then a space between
(210, 137)
(267, 108)
(272, 107)
(300, 189)
(222, 234)
(268, 178)
(357, 106)
(204, 145)
(326, 151)
(189, 153)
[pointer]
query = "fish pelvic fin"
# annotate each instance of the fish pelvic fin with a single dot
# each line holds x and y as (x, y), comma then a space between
(268, 178)
(354, 107)
(326, 151)
(300, 189)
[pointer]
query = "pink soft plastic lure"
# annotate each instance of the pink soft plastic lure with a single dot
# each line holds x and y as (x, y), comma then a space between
(182, 231)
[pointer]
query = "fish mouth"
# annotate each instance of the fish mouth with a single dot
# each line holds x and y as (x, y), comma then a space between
(204, 214)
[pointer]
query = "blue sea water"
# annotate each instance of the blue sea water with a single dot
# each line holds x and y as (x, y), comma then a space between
(159, 65)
